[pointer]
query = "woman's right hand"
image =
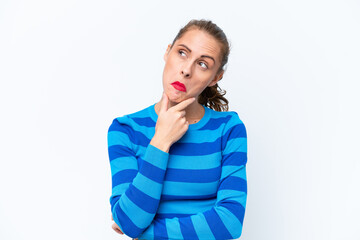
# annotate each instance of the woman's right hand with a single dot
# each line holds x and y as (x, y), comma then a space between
(171, 124)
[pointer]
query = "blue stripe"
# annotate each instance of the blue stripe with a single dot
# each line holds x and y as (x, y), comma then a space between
(143, 200)
(216, 225)
(135, 137)
(187, 229)
(116, 126)
(113, 200)
(215, 123)
(117, 151)
(123, 176)
(193, 175)
(233, 183)
(237, 131)
(144, 121)
(160, 229)
(187, 149)
(152, 172)
(185, 197)
(235, 159)
(128, 226)
(172, 215)
(235, 208)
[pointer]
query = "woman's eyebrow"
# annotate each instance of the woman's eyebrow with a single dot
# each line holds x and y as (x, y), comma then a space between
(200, 56)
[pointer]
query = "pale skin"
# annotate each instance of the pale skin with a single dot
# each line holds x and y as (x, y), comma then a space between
(193, 60)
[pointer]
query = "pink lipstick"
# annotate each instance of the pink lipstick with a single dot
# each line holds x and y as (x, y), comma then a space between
(179, 86)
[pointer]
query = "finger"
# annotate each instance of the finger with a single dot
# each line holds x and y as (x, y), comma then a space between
(182, 114)
(116, 228)
(112, 217)
(164, 103)
(182, 105)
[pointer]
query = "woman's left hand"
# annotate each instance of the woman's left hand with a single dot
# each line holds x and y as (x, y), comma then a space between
(117, 229)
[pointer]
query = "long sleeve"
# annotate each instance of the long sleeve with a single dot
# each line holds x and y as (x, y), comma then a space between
(136, 191)
(225, 219)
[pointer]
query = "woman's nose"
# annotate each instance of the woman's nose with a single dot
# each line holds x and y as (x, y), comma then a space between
(186, 71)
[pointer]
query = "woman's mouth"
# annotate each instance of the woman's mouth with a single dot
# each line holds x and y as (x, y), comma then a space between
(179, 86)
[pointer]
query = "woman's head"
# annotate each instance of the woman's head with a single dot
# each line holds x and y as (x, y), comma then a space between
(196, 58)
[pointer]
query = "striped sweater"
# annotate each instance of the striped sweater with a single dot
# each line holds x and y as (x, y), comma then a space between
(197, 190)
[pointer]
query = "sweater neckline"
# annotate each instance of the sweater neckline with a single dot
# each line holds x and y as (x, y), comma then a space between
(193, 126)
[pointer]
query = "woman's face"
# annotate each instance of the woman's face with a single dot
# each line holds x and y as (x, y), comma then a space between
(193, 61)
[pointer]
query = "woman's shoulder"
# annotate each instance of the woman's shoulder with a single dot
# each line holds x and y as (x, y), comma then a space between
(232, 123)
(133, 118)
(229, 116)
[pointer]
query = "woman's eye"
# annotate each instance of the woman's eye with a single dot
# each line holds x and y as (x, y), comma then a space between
(204, 64)
(180, 51)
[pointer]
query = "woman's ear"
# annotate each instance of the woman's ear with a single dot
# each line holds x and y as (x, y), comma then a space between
(217, 78)
(167, 52)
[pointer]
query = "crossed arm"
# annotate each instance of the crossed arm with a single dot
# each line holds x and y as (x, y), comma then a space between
(225, 219)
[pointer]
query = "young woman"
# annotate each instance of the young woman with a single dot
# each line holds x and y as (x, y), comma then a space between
(179, 166)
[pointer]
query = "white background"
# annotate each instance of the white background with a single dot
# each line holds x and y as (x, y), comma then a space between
(68, 68)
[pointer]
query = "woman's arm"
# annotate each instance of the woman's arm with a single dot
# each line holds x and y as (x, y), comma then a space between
(136, 191)
(117, 229)
(225, 219)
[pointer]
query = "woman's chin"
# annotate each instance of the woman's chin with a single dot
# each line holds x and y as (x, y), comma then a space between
(175, 98)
